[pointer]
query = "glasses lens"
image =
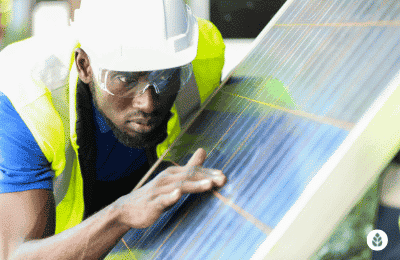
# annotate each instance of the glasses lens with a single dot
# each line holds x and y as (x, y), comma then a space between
(130, 84)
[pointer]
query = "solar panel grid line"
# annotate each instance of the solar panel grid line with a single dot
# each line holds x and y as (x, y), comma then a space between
(175, 247)
(259, 90)
(382, 78)
(360, 24)
(321, 119)
(302, 64)
(317, 54)
(130, 252)
(239, 182)
(194, 239)
(299, 55)
(231, 244)
(343, 93)
(387, 101)
(242, 143)
(176, 244)
(282, 180)
(366, 65)
(318, 89)
(264, 228)
(270, 45)
(361, 94)
(266, 231)
(168, 236)
(245, 139)
(148, 231)
(311, 67)
(194, 247)
(259, 38)
(235, 185)
(222, 240)
(390, 6)
(266, 197)
(244, 110)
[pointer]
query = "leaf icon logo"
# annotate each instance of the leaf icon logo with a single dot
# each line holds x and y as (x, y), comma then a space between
(377, 240)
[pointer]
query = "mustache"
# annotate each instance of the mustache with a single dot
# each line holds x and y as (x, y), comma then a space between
(143, 115)
(156, 116)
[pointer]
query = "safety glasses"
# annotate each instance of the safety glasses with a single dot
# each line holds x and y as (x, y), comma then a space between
(132, 84)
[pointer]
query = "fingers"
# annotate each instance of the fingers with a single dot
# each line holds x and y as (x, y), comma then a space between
(197, 173)
(168, 199)
(192, 185)
(197, 158)
(191, 173)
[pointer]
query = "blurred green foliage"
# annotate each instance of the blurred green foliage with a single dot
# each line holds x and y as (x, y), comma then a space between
(349, 240)
(18, 21)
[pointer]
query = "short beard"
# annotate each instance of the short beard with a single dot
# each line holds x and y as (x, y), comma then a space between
(140, 140)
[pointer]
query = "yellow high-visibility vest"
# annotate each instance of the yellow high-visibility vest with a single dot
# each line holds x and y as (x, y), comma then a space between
(39, 77)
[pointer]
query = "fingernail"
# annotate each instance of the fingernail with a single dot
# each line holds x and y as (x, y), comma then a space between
(174, 193)
(216, 172)
(204, 182)
(218, 178)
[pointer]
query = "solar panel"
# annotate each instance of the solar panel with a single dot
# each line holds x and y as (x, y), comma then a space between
(301, 127)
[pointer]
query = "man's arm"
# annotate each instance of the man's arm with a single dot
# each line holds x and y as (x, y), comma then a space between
(27, 218)
(27, 225)
(20, 214)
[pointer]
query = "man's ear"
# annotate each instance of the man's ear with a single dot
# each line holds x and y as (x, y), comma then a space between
(83, 66)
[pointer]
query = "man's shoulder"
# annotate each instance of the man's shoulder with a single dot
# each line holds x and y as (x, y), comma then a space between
(32, 67)
(23, 165)
(27, 54)
(211, 44)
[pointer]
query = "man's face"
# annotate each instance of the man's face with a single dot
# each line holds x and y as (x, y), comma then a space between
(136, 122)
(139, 121)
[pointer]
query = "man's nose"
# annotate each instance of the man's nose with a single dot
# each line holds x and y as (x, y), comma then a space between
(146, 101)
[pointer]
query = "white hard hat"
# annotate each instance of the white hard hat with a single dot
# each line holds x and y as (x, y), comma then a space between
(137, 35)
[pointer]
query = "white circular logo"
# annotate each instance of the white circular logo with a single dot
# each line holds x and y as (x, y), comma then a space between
(377, 240)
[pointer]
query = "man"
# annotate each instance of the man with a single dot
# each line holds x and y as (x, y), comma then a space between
(65, 180)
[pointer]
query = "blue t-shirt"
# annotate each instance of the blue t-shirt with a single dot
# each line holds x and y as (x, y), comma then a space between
(23, 165)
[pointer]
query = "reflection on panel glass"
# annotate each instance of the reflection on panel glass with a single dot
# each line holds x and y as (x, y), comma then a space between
(282, 114)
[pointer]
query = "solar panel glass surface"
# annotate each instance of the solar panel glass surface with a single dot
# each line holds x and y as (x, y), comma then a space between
(283, 112)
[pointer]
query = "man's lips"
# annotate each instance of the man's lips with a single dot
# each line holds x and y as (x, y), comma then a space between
(142, 121)
(142, 125)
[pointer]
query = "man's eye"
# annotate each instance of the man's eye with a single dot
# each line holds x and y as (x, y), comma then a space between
(122, 78)
(125, 79)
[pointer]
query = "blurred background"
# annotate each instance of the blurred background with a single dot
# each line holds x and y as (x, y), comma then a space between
(239, 21)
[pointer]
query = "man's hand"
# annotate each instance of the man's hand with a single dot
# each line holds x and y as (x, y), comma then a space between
(142, 207)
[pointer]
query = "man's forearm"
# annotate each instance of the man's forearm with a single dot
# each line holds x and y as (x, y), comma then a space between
(91, 239)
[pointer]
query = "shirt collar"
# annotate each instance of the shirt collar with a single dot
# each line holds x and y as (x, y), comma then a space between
(100, 121)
